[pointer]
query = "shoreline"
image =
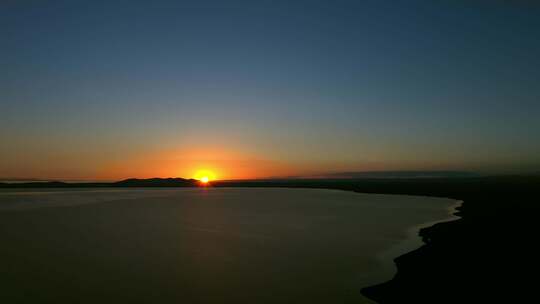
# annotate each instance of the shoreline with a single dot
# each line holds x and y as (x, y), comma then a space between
(412, 242)
(414, 212)
(485, 254)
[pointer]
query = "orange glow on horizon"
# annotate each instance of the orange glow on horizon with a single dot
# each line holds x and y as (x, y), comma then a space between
(214, 162)
(204, 176)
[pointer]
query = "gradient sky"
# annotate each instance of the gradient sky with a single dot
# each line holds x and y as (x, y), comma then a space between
(115, 89)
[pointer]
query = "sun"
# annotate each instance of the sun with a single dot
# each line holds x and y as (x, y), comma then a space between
(204, 176)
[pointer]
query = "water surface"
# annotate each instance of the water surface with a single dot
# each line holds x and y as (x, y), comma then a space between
(227, 245)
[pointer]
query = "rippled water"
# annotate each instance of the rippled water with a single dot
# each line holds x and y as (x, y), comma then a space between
(226, 245)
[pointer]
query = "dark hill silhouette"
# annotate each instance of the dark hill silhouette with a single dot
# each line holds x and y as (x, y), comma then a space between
(131, 182)
(157, 182)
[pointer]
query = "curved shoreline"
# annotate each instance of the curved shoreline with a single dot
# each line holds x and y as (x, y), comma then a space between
(407, 239)
(467, 258)
(412, 242)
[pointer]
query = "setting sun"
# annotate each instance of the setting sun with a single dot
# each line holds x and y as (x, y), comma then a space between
(204, 176)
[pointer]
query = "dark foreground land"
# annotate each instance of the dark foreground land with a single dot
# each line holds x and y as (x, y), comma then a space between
(490, 254)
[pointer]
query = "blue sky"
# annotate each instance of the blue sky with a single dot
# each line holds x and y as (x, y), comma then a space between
(90, 88)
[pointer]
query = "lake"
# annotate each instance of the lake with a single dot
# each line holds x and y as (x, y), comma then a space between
(204, 245)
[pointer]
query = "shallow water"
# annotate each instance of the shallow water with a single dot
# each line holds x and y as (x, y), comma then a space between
(204, 245)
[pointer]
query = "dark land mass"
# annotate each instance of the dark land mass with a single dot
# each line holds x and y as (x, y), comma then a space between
(489, 254)
(402, 174)
(132, 182)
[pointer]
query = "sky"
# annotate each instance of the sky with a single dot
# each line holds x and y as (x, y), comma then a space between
(254, 89)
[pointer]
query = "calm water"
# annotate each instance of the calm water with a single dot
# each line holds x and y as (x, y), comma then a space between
(203, 245)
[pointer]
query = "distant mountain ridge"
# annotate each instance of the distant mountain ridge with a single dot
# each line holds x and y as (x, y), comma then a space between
(402, 174)
(383, 176)
(157, 182)
(131, 182)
